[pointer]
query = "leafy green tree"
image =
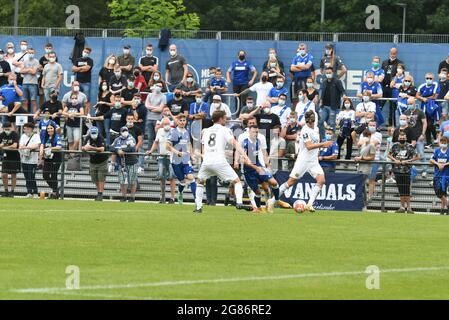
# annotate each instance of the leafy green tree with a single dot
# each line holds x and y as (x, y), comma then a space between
(152, 14)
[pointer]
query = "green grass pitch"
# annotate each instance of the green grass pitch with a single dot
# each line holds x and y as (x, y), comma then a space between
(148, 251)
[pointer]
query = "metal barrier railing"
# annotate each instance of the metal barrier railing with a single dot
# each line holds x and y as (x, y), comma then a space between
(230, 35)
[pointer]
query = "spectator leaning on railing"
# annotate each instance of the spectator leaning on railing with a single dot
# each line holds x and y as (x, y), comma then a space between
(403, 154)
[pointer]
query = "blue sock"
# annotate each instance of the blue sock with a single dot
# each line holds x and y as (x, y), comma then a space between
(193, 188)
(181, 188)
(258, 201)
(275, 191)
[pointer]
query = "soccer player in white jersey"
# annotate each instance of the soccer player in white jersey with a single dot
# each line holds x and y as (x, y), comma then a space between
(214, 142)
(307, 161)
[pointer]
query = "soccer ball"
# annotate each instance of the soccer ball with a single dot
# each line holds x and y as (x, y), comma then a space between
(300, 206)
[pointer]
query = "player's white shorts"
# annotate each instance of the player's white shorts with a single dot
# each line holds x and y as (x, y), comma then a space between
(302, 167)
(222, 170)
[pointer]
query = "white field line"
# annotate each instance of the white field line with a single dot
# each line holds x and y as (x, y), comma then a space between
(229, 280)
(99, 295)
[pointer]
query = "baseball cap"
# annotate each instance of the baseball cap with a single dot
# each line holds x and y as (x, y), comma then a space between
(217, 97)
(329, 46)
(127, 46)
(46, 110)
(124, 129)
(94, 130)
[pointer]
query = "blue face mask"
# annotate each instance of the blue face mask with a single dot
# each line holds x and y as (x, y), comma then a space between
(372, 129)
(328, 137)
(411, 107)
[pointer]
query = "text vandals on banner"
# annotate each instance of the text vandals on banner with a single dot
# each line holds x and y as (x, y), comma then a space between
(342, 192)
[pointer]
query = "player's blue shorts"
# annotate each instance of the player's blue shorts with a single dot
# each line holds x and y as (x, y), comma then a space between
(253, 179)
(182, 170)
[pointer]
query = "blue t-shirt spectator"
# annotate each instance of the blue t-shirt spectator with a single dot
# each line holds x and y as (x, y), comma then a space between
(308, 58)
(276, 92)
(214, 82)
(43, 124)
(377, 73)
(428, 91)
(9, 94)
(441, 157)
(327, 152)
(242, 72)
(199, 108)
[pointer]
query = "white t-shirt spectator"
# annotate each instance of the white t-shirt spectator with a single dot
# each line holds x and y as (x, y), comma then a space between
(282, 112)
(346, 114)
(223, 107)
(262, 90)
(82, 98)
(365, 107)
(162, 138)
(26, 156)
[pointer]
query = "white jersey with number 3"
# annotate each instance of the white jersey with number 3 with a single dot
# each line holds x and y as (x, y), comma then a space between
(308, 135)
(215, 139)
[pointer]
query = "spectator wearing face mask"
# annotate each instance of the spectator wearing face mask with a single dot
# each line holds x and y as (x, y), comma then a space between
(124, 147)
(403, 155)
(19, 58)
(43, 61)
(126, 61)
(52, 75)
(440, 160)
(331, 59)
(444, 89)
(376, 70)
(198, 116)
(104, 104)
(116, 115)
(277, 149)
(128, 93)
(417, 122)
(139, 83)
(29, 72)
(395, 85)
(166, 113)
(376, 140)
(404, 127)
(406, 90)
(118, 81)
(139, 111)
(53, 105)
(346, 122)
(165, 170)
(427, 93)
(154, 103)
(273, 66)
(107, 71)
(176, 69)
(9, 144)
(82, 68)
(178, 105)
(444, 64)
(301, 67)
(312, 93)
(262, 89)
(363, 109)
(304, 105)
(75, 91)
(244, 74)
(189, 89)
(375, 88)
(327, 156)
(249, 110)
(29, 156)
(331, 93)
(10, 54)
(137, 134)
(10, 97)
(72, 112)
(149, 63)
(367, 154)
(98, 164)
(217, 85)
(282, 110)
(290, 131)
(266, 121)
(45, 122)
(49, 151)
(218, 105)
(275, 92)
(5, 69)
(157, 78)
(390, 67)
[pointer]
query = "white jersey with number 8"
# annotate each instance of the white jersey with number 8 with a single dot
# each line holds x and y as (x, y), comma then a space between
(215, 139)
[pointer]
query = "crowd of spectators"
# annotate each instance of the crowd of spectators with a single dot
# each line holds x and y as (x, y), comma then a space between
(138, 106)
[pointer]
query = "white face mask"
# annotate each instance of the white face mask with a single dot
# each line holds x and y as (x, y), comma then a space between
(173, 53)
(111, 61)
(76, 89)
(250, 105)
(51, 60)
(118, 74)
(370, 80)
(149, 52)
(156, 78)
(280, 84)
(365, 99)
(137, 101)
(157, 89)
(167, 128)
(282, 102)
(104, 88)
(125, 134)
(85, 54)
(94, 136)
(10, 50)
(309, 85)
(125, 51)
(199, 100)
(347, 106)
(301, 98)
(117, 105)
(272, 55)
(23, 47)
(266, 110)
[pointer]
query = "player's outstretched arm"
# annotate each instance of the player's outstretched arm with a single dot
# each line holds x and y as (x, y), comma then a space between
(311, 146)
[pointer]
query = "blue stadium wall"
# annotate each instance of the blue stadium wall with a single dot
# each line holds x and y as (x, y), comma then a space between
(201, 54)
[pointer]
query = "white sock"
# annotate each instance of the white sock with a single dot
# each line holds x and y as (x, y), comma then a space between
(199, 196)
(238, 193)
(282, 189)
(315, 193)
(251, 198)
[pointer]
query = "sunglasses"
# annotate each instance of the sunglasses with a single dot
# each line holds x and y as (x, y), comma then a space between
(429, 78)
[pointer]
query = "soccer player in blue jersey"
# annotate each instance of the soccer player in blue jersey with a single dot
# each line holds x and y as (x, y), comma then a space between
(178, 143)
(256, 172)
(440, 160)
